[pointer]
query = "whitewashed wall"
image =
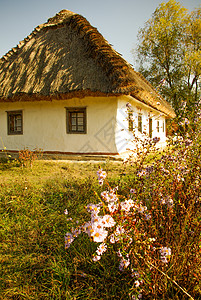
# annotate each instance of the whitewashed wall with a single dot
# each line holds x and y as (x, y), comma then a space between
(124, 139)
(44, 125)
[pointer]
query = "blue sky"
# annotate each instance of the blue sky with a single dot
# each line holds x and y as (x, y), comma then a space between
(117, 20)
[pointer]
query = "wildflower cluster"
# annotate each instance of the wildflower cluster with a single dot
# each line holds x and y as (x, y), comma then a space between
(147, 224)
(101, 176)
(97, 227)
(118, 223)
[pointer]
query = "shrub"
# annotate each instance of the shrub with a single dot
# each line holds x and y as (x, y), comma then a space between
(26, 157)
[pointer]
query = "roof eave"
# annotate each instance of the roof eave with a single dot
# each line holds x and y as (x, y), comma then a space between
(167, 111)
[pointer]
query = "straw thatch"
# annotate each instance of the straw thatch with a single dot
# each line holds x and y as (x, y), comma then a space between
(67, 57)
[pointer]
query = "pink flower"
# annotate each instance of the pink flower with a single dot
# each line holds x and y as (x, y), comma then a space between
(75, 232)
(108, 221)
(141, 209)
(93, 208)
(124, 263)
(113, 196)
(101, 176)
(96, 258)
(87, 227)
(105, 196)
(119, 230)
(112, 239)
(137, 283)
(66, 212)
(112, 206)
(99, 235)
(165, 254)
(101, 249)
(68, 240)
(127, 205)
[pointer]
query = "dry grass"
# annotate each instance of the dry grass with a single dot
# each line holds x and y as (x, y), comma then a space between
(34, 263)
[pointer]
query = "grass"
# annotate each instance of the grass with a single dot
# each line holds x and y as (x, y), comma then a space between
(34, 262)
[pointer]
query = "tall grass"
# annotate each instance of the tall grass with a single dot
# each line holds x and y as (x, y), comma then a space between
(34, 262)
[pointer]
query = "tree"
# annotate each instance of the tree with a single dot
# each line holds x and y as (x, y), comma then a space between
(169, 51)
(193, 52)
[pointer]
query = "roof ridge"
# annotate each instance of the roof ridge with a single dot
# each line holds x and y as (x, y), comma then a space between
(100, 47)
(51, 22)
(121, 76)
(60, 19)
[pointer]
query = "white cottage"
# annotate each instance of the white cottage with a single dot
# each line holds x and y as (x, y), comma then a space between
(65, 90)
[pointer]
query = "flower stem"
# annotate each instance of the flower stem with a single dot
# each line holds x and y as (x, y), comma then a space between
(173, 281)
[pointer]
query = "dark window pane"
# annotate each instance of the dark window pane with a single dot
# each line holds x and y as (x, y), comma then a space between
(140, 123)
(76, 120)
(130, 121)
(14, 122)
(73, 121)
(158, 126)
(80, 128)
(74, 128)
(80, 121)
(150, 127)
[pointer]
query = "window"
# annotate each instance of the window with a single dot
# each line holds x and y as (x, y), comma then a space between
(140, 122)
(130, 121)
(14, 122)
(76, 119)
(158, 126)
(150, 127)
(163, 126)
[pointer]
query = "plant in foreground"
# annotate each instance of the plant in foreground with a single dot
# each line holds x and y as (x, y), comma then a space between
(121, 224)
(153, 229)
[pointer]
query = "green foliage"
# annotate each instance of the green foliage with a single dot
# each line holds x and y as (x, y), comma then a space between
(169, 48)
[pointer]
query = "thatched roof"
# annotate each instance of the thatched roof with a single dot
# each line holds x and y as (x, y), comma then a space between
(66, 57)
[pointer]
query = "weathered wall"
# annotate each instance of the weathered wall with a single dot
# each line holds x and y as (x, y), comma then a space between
(44, 126)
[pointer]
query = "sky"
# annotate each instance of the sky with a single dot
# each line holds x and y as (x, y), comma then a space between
(117, 20)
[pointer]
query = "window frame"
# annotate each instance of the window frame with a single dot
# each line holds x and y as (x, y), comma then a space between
(158, 126)
(150, 127)
(130, 121)
(69, 112)
(14, 113)
(139, 120)
(164, 126)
